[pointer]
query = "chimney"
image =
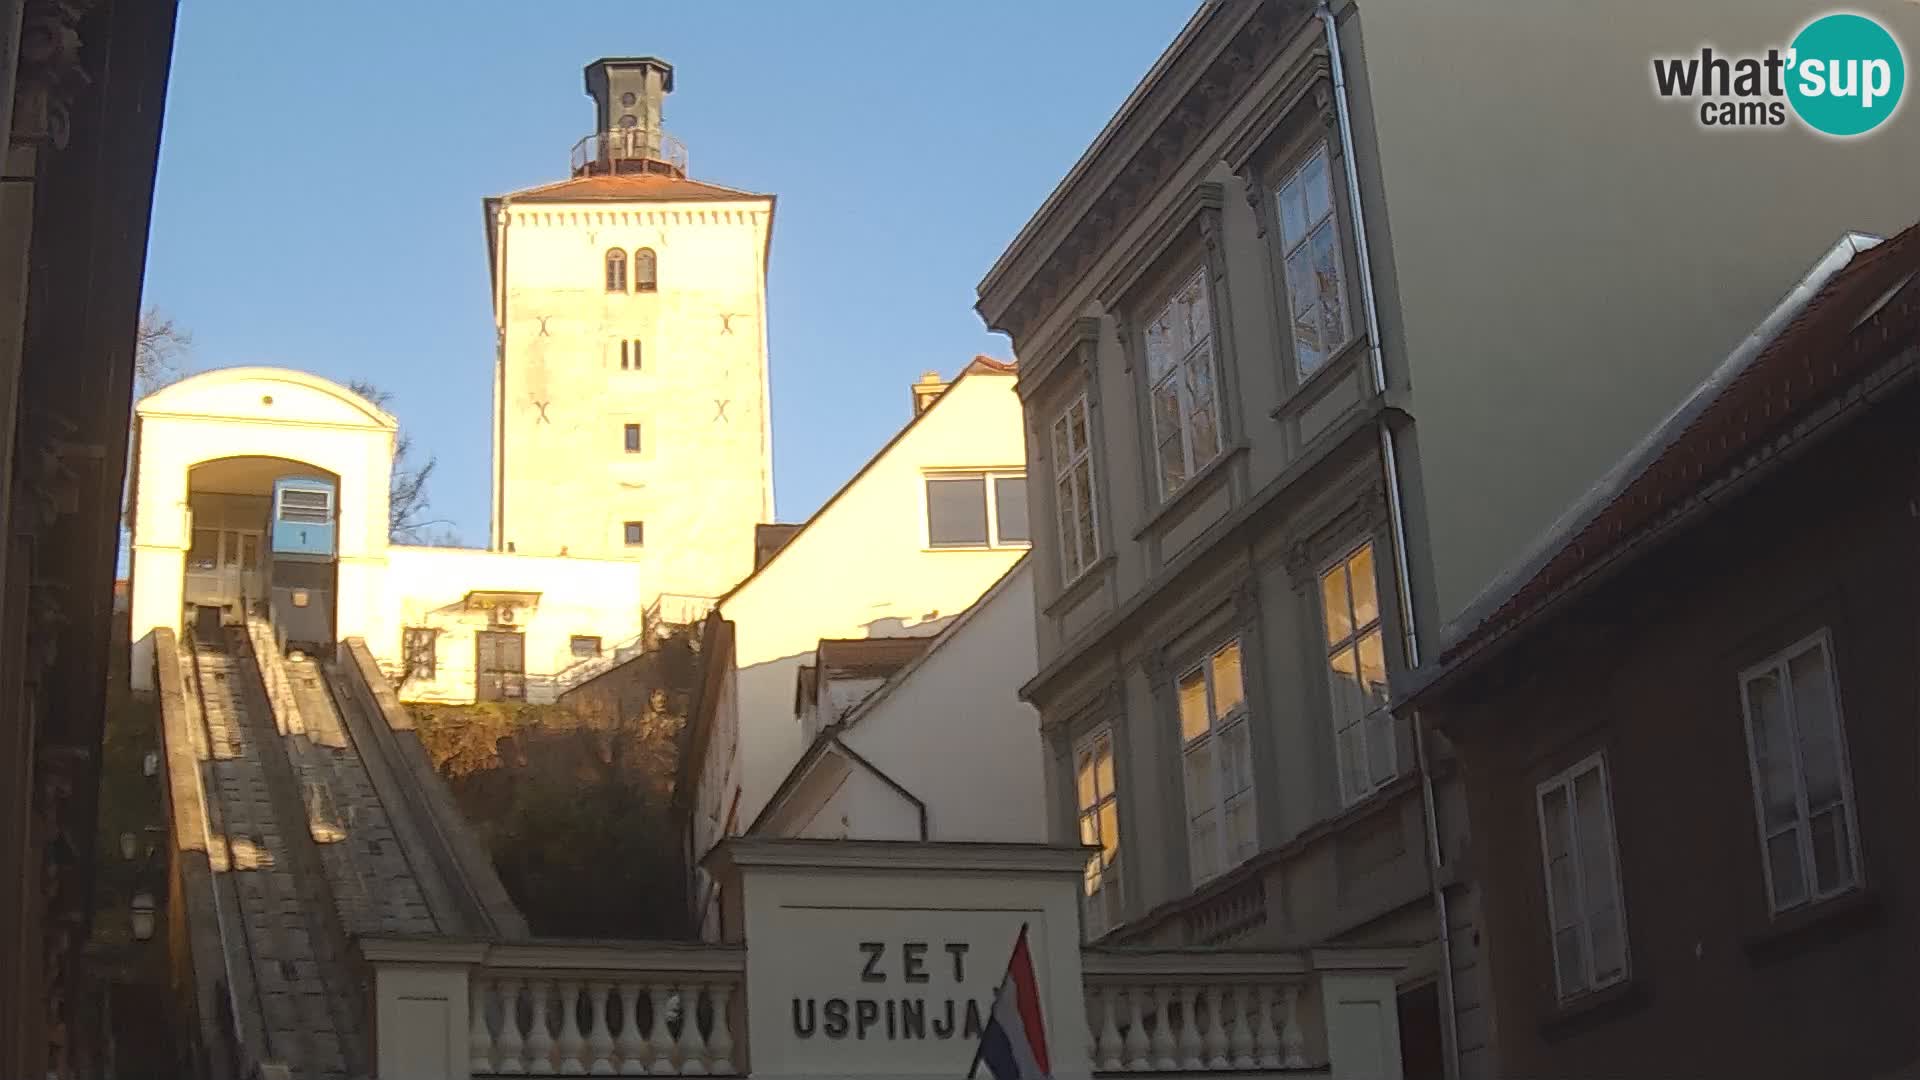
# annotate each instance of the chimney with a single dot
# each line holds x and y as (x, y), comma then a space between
(930, 386)
(627, 94)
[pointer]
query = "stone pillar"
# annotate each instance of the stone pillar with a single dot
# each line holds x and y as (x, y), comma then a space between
(1362, 1025)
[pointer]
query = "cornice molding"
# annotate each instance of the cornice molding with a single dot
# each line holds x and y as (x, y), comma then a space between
(1150, 167)
(1075, 350)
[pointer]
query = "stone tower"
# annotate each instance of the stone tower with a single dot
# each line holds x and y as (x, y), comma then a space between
(630, 386)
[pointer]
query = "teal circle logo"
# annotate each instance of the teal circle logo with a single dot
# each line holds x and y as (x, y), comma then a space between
(1846, 74)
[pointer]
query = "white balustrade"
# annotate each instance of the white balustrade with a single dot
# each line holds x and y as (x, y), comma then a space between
(615, 1023)
(1224, 1013)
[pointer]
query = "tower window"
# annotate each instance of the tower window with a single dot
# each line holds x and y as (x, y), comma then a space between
(633, 438)
(646, 271)
(636, 533)
(630, 354)
(617, 271)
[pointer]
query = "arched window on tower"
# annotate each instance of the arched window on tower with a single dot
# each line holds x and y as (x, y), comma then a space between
(646, 273)
(617, 271)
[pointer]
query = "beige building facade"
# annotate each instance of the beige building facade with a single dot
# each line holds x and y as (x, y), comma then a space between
(630, 397)
(1323, 327)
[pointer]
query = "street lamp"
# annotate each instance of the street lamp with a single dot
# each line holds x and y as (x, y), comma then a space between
(142, 916)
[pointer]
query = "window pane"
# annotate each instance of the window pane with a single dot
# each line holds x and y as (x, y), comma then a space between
(1772, 751)
(1236, 759)
(1304, 299)
(1832, 852)
(1173, 464)
(205, 552)
(1595, 831)
(1609, 943)
(1195, 310)
(1373, 670)
(1206, 436)
(957, 511)
(1089, 545)
(1077, 425)
(1344, 678)
(1090, 830)
(1783, 859)
(1203, 845)
(1293, 210)
(1316, 184)
(1109, 827)
(1201, 797)
(1071, 557)
(1326, 275)
(1010, 509)
(1819, 742)
(1083, 770)
(1103, 767)
(1163, 351)
(1093, 875)
(1366, 595)
(633, 438)
(1240, 828)
(1193, 706)
(1570, 960)
(1228, 691)
(1336, 615)
(1062, 455)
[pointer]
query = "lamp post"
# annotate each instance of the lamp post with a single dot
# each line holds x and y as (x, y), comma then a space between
(142, 916)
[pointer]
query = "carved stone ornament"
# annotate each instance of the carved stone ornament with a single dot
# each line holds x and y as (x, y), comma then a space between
(1246, 603)
(1299, 562)
(50, 72)
(1255, 195)
(1324, 104)
(1158, 669)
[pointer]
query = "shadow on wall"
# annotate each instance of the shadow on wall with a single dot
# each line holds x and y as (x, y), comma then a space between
(574, 801)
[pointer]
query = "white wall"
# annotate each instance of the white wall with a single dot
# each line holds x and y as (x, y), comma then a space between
(862, 568)
(426, 586)
(952, 730)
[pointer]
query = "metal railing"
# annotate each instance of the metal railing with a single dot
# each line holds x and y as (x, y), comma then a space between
(629, 150)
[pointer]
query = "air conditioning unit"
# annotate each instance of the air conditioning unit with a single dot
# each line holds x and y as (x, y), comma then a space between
(505, 615)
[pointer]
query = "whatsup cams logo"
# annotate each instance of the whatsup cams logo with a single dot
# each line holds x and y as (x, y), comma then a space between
(1841, 75)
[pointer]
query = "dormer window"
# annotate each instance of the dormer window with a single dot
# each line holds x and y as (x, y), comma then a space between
(617, 271)
(645, 271)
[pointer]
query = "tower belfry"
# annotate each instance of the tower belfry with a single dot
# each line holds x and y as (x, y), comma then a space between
(627, 94)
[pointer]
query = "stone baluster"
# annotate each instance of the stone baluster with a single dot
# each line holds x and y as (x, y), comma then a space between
(1108, 1044)
(632, 1046)
(1136, 1038)
(693, 1049)
(1293, 1044)
(1266, 1043)
(571, 1044)
(1216, 1038)
(1163, 1045)
(599, 1030)
(1241, 1037)
(1190, 1030)
(479, 1038)
(539, 1036)
(720, 1046)
(510, 1052)
(660, 1041)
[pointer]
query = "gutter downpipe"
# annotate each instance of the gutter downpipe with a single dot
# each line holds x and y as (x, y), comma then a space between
(1397, 517)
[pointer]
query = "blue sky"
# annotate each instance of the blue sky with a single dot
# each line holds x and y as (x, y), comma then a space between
(322, 167)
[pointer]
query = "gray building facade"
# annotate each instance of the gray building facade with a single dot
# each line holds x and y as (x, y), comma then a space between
(1317, 334)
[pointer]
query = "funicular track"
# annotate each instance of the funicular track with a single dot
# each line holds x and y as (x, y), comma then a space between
(291, 980)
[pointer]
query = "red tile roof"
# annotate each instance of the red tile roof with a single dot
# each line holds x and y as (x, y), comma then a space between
(628, 187)
(1863, 314)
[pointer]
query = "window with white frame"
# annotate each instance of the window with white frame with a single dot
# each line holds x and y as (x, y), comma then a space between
(1182, 388)
(1217, 761)
(1099, 811)
(1584, 909)
(1073, 490)
(1357, 675)
(977, 509)
(1802, 791)
(417, 652)
(1310, 254)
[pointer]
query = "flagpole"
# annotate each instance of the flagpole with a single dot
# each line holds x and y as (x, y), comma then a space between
(980, 1044)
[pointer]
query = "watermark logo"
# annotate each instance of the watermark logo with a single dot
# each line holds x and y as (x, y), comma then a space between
(1842, 75)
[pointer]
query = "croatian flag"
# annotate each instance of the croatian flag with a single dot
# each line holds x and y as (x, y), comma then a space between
(1014, 1042)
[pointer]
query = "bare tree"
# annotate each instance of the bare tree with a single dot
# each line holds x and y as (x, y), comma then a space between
(158, 346)
(407, 501)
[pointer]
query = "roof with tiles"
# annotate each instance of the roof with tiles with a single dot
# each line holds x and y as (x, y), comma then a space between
(631, 187)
